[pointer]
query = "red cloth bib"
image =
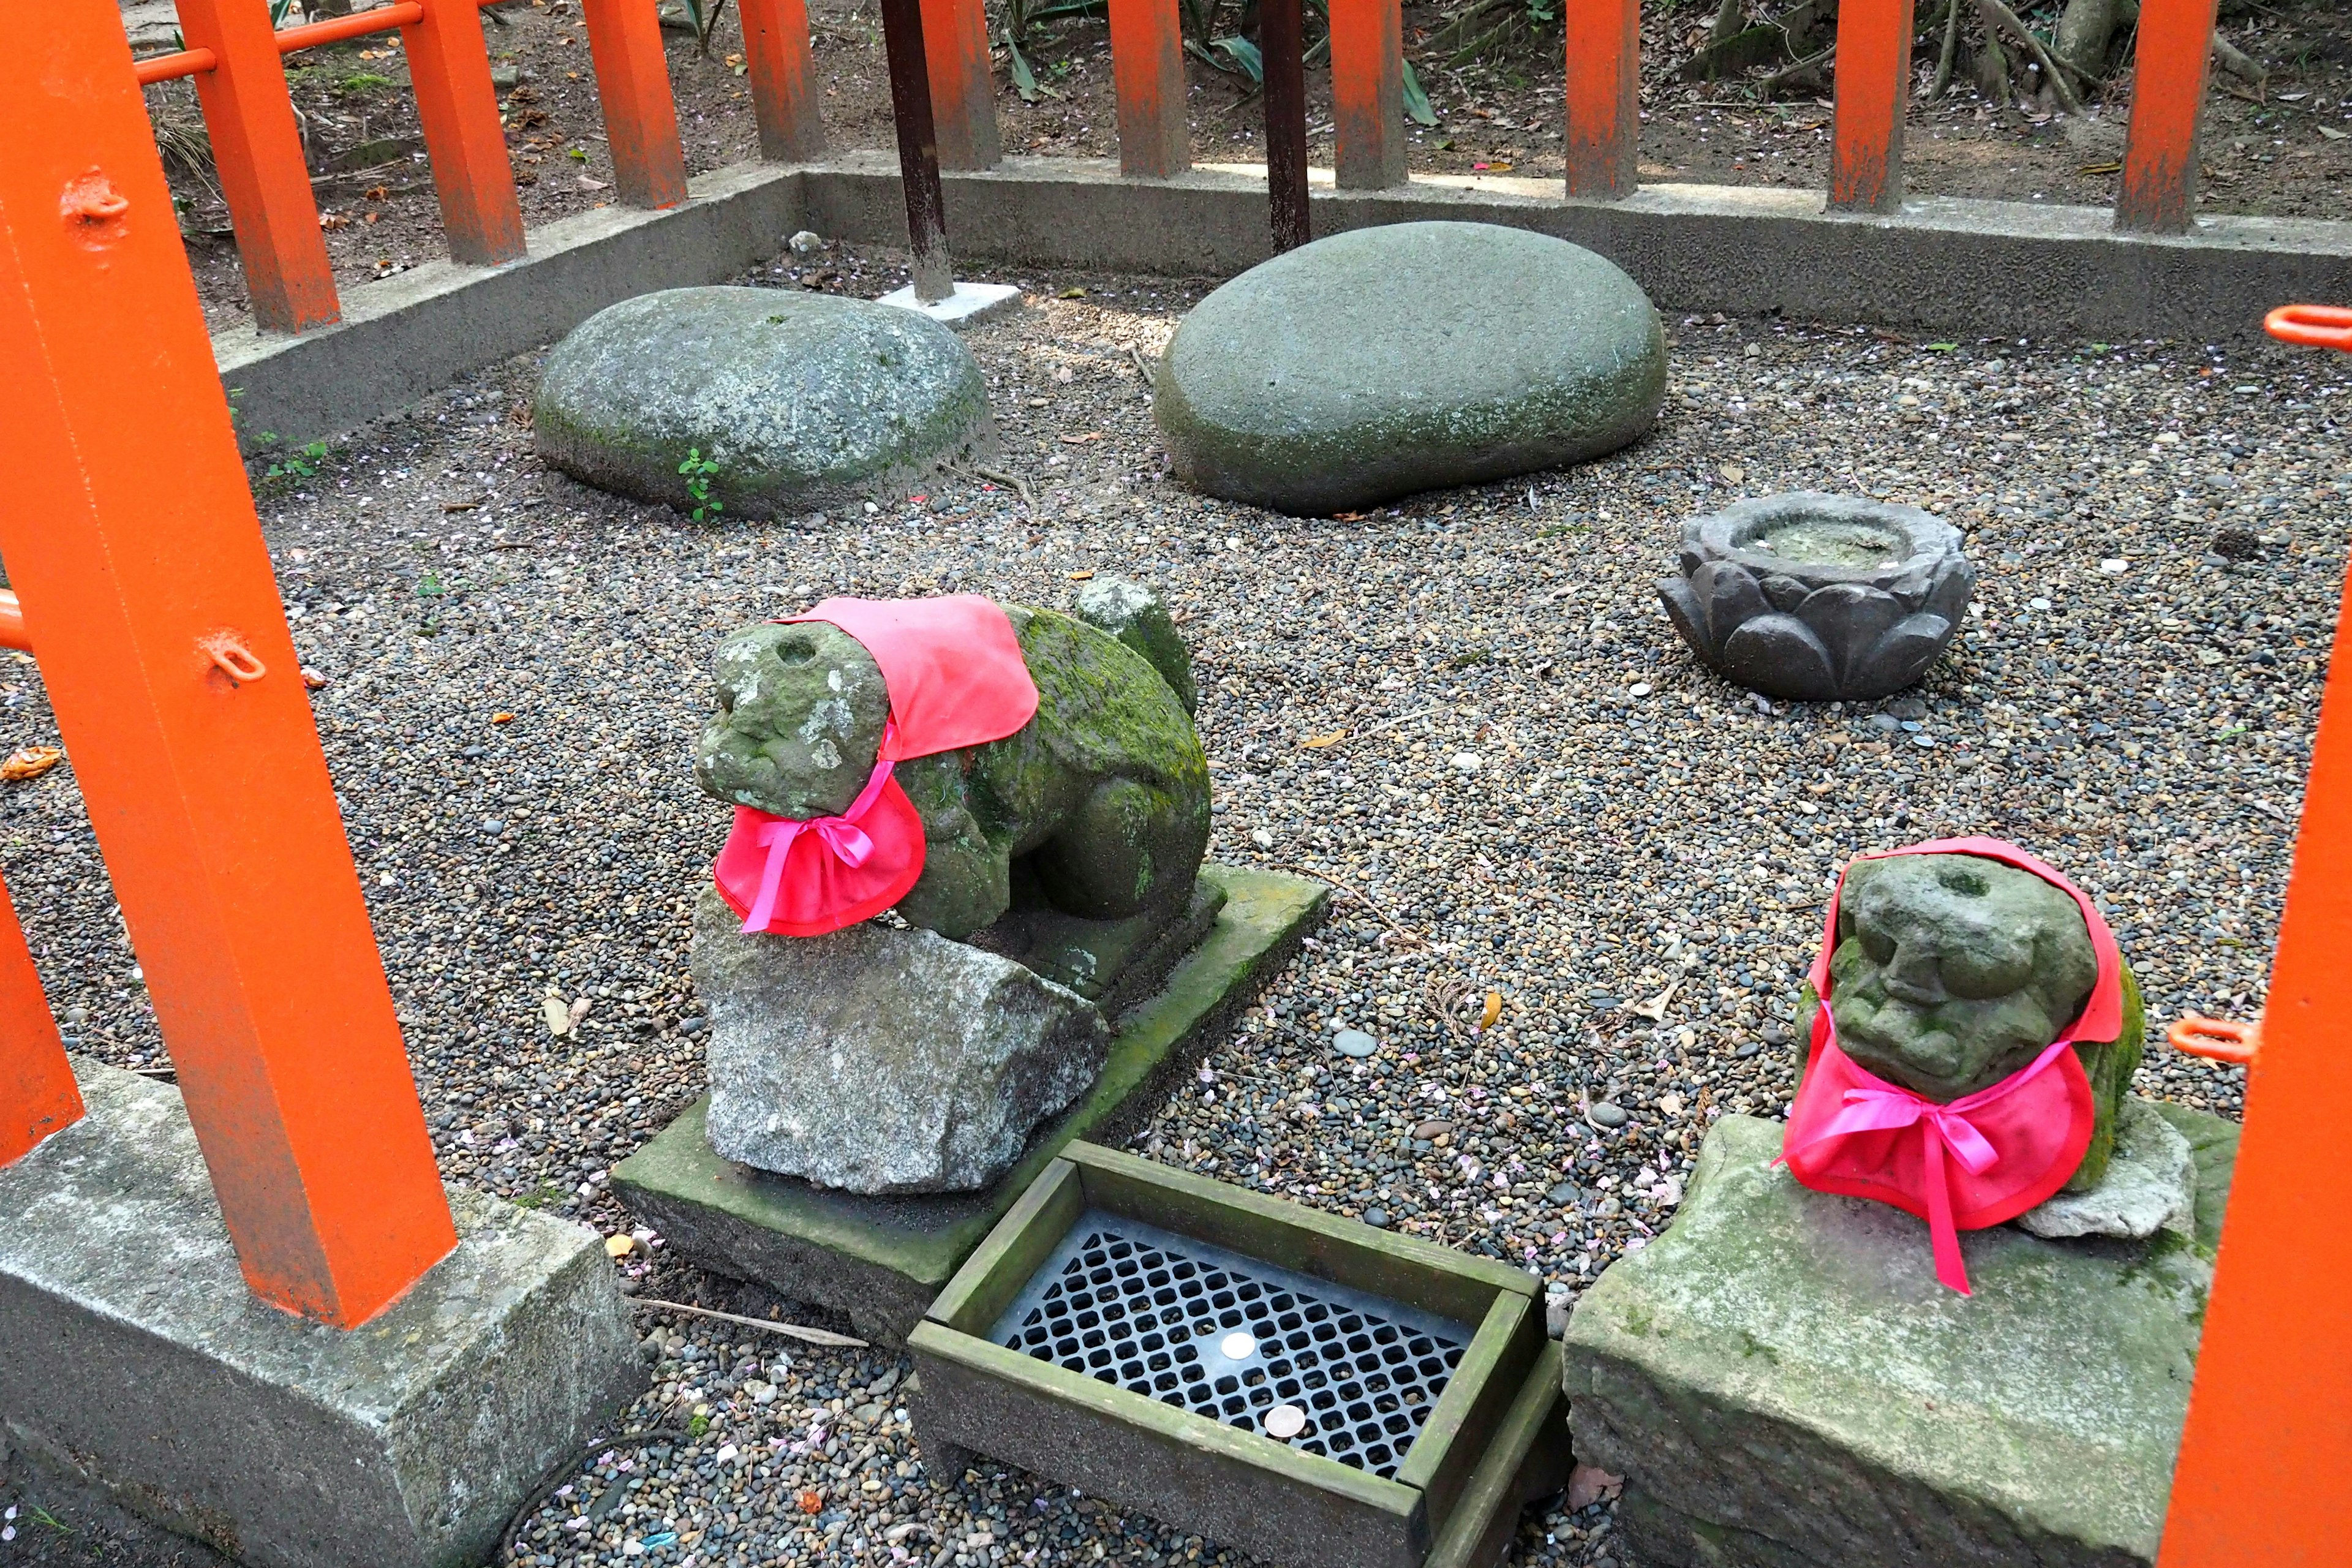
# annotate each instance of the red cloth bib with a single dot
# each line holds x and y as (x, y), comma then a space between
(956, 677)
(1980, 1159)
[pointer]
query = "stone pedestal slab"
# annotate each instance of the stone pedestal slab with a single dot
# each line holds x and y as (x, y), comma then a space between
(132, 1356)
(881, 1259)
(1783, 1383)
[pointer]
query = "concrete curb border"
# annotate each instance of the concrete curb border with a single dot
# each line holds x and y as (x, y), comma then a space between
(1968, 268)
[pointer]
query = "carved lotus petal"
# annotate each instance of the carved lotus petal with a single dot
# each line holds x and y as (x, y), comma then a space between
(1780, 656)
(1899, 657)
(1850, 616)
(1730, 596)
(1687, 614)
(1784, 592)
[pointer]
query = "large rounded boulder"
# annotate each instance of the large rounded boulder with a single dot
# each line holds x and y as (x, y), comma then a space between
(776, 401)
(1384, 361)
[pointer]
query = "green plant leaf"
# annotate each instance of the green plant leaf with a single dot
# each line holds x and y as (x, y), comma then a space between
(1025, 81)
(1416, 103)
(1243, 53)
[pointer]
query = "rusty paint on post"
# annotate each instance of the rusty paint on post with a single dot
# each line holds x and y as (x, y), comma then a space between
(963, 101)
(1280, 45)
(130, 536)
(1367, 94)
(450, 67)
(624, 39)
(784, 81)
(2169, 67)
(1605, 108)
(1147, 63)
(37, 1092)
(918, 152)
(1874, 90)
(257, 151)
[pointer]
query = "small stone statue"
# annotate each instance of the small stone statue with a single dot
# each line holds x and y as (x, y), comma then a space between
(1099, 807)
(1952, 972)
(1058, 881)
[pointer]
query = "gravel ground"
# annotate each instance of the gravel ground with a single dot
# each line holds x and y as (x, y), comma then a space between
(1465, 709)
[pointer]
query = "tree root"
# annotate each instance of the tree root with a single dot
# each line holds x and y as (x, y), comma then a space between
(1795, 71)
(1992, 13)
(2235, 60)
(1942, 82)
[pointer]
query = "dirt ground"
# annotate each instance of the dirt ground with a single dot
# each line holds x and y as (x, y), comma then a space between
(2282, 149)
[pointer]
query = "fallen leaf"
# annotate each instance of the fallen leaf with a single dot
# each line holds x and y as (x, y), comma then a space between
(1654, 1008)
(579, 1011)
(620, 1246)
(2108, 168)
(332, 221)
(1317, 742)
(29, 762)
(311, 680)
(501, 718)
(378, 192)
(1493, 1010)
(1078, 577)
(1071, 294)
(2332, 133)
(1347, 516)
(559, 1016)
(1732, 472)
(588, 182)
(810, 1502)
(468, 504)
(1082, 440)
(1588, 1484)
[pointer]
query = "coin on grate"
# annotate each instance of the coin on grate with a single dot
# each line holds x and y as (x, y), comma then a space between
(1284, 1422)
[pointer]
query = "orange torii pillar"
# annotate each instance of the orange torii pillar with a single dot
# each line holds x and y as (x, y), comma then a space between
(2169, 65)
(624, 37)
(130, 537)
(2264, 1475)
(1604, 103)
(783, 79)
(1367, 94)
(963, 100)
(1873, 91)
(1147, 63)
(37, 1092)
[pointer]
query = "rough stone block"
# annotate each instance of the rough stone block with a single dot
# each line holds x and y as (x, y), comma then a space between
(132, 1355)
(882, 1258)
(1783, 1383)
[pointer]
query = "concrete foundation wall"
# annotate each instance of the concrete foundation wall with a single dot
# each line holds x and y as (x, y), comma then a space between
(1964, 268)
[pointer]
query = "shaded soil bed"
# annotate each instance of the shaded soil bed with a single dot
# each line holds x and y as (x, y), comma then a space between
(2284, 151)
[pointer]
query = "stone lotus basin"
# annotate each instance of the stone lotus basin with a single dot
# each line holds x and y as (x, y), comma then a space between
(1818, 598)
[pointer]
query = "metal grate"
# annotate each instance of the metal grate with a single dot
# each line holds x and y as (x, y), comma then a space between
(1164, 1316)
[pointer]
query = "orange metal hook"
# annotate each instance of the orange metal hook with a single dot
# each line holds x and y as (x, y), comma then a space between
(2219, 1039)
(2314, 326)
(233, 658)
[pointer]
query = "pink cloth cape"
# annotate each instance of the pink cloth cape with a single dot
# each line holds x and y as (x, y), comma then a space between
(1982, 1159)
(953, 669)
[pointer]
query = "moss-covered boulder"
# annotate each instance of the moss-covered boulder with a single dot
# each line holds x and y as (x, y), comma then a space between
(1407, 357)
(782, 400)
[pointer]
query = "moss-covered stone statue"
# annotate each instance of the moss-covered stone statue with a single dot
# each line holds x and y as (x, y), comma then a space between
(1096, 810)
(1952, 971)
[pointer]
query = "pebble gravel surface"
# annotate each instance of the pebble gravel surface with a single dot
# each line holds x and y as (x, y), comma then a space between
(1579, 875)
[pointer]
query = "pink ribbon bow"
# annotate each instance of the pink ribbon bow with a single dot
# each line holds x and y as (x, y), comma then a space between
(839, 834)
(1883, 1106)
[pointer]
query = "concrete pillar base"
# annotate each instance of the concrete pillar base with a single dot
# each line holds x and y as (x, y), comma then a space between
(132, 1355)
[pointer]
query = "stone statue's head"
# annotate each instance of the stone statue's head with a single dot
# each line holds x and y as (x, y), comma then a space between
(1952, 971)
(800, 711)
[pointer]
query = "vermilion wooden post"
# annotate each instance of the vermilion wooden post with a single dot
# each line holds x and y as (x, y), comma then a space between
(1604, 105)
(1367, 94)
(37, 1094)
(1147, 62)
(783, 85)
(640, 116)
(130, 537)
(2169, 66)
(2264, 1475)
(450, 67)
(1873, 89)
(1281, 29)
(963, 101)
(249, 119)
